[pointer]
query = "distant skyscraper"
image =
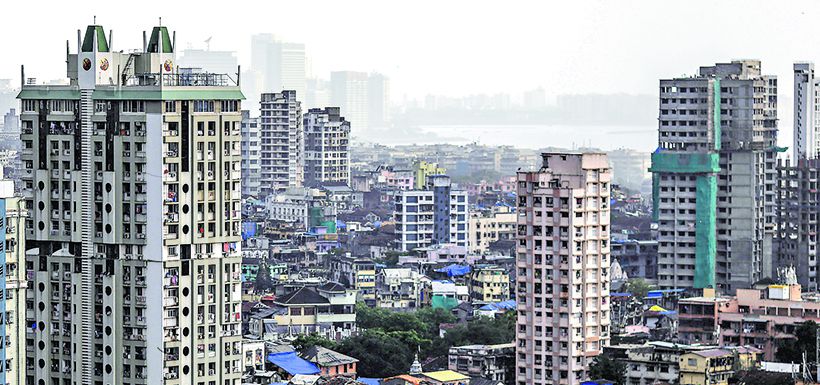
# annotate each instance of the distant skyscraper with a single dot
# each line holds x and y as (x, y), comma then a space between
(535, 99)
(806, 105)
(378, 100)
(434, 215)
(563, 268)
(278, 65)
(13, 285)
(218, 62)
(10, 122)
(327, 147)
(132, 182)
(281, 142)
(349, 91)
(251, 155)
(318, 93)
(714, 177)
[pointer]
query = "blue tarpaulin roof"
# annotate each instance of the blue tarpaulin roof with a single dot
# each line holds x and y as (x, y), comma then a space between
(292, 363)
(454, 270)
(503, 305)
(369, 381)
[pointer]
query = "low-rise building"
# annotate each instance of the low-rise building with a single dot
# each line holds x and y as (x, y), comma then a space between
(331, 363)
(356, 273)
(488, 226)
(329, 310)
(489, 283)
(715, 366)
(655, 362)
(493, 362)
(446, 294)
(307, 207)
(758, 318)
(638, 258)
(399, 288)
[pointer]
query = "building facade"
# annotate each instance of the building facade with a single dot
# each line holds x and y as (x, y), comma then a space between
(713, 177)
(806, 126)
(492, 362)
(13, 285)
(435, 215)
(132, 181)
(282, 142)
(795, 241)
(327, 151)
(251, 151)
(563, 262)
(489, 283)
(488, 226)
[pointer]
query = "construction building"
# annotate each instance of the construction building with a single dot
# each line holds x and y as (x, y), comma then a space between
(714, 177)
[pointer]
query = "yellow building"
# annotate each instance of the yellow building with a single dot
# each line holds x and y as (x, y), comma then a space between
(488, 226)
(489, 283)
(422, 170)
(366, 284)
(715, 366)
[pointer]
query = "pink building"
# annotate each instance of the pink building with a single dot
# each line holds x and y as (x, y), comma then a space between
(563, 261)
(759, 318)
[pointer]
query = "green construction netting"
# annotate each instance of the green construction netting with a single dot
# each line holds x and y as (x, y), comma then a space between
(705, 242)
(656, 201)
(685, 162)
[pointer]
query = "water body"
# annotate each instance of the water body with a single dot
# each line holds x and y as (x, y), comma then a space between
(640, 138)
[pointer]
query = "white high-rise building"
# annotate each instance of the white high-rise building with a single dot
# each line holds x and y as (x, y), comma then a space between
(132, 183)
(281, 142)
(250, 155)
(327, 147)
(563, 268)
(13, 284)
(806, 124)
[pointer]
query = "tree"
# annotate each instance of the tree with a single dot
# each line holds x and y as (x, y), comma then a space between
(380, 354)
(638, 287)
(604, 367)
(792, 350)
(263, 282)
(303, 342)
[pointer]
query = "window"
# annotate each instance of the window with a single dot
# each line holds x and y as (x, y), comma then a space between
(203, 106)
(133, 106)
(170, 106)
(230, 105)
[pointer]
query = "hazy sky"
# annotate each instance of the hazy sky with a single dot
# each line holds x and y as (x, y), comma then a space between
(451, 47)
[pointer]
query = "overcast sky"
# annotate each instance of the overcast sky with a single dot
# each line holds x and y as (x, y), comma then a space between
(452, 47)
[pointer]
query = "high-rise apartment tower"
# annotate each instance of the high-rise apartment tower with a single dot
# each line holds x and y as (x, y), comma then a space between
(563, 268)
(132, 183)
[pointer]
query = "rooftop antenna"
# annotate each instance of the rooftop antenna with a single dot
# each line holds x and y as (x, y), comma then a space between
(95, 19)
(208, 43)
(160, 21)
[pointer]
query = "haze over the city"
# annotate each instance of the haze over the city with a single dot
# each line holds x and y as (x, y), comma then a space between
(464, 48)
